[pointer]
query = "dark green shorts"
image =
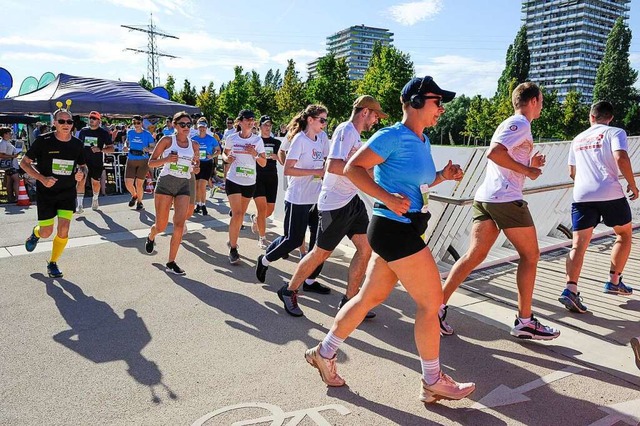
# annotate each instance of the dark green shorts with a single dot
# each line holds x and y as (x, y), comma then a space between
(514, 214)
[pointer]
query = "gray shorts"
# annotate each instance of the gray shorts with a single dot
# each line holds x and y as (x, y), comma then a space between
(514, 214)
(173, 186)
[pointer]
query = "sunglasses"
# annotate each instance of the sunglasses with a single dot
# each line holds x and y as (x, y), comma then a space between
(438, 99)
(137, 122)
(93, 118)
(322, 120)
(61, 121)
(184, 124)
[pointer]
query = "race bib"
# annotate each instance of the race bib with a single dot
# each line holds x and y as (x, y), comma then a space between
(6, 163)
(182, 166)
(268, 151)
(90, 141)
(424, 190)
(203, 154)
(245, 171)
(62, 167)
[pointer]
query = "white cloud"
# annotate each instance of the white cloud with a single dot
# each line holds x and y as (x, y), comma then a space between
(463, 75)
(411, 13)
(170, 7)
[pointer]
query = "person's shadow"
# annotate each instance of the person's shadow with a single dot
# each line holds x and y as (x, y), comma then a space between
(100, 335)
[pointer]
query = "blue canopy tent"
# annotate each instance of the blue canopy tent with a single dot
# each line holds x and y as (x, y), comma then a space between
(111, 98)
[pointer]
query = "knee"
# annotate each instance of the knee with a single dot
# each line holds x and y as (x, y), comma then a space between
(319, 254)
(161, 226)
(45, 232)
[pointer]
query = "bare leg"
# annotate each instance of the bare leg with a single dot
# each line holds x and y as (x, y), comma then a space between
(525, 241)
(575, 258)
(358, 265)
(180, 212)
(622, 247)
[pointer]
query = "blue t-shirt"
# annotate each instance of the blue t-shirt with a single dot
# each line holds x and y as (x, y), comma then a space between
(168, 132)
(207, 144)
(407, 165)
(138, 142)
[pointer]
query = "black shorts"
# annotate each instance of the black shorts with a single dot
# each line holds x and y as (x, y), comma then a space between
(587, 214)
(267, 186)
(348, 220)
(234, 188)
(206, 170)
(95, 170)
(393, 240)
(49, 204)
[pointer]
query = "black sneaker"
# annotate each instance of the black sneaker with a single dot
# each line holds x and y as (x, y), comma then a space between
(148, 246)
(290, 300)
(174, 268)
(139, 206)
(285, 257)
(197, 210)
(344, 301)
(204, 210)
(53, 270)
(316, 287)
(132, 201)
(234, 256)
(261, 270)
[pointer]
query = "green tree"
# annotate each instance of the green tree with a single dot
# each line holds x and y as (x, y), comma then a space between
(632, 119)
(291, 98)
(575, 115)
(170, 85)
(145, 83)
(388, 72)
(451, 124)
(615, 77)
(479, 121)
(234, 96)
(188, 94)
(332, 88)
(207, 102)
(517, 64)
(550, 123)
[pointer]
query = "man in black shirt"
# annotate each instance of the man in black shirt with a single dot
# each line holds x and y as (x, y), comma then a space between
(60, 164)
(96, 140)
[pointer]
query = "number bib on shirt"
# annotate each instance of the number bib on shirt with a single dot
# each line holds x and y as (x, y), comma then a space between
(90, 141)
(182, 166)
(203, 154)
(268, 150)
(245, 171)
(62, 167)
(424, 190)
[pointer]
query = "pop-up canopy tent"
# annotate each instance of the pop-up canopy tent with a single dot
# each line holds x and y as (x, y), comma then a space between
(112, 98)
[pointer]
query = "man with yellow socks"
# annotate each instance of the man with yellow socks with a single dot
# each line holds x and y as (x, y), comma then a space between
(60, 161)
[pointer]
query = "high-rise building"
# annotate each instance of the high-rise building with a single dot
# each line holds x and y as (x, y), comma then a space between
(567, 40)
(355, 44)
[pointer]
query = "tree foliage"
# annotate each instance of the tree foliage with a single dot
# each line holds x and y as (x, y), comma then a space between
(549, 125)
(332, 88)
(575, 115)
(170, 85)
(207, 102)
(145, 83)
(517, 64)
(291, 97)
(234, 96)
(451, 124)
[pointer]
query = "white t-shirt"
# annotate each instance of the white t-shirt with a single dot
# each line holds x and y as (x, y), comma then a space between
(338, 190)
(502, 185)
(591, 153)
(309, 154)
(228, 133)
(7, 148)
(243, 169)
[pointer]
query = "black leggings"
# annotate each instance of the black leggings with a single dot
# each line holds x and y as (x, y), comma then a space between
(296, 219)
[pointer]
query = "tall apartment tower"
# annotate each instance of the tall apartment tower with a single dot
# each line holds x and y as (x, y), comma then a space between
(355, 44)
(567, 39)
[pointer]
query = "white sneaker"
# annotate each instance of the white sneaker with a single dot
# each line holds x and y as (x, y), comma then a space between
(254, 224)
(184, 230)
(94, 204)
(79, 209)
(263, 243)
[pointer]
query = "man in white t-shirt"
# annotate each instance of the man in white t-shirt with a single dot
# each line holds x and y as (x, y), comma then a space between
(342, 213)
(9, 163)
(596, 156)
(499, 206)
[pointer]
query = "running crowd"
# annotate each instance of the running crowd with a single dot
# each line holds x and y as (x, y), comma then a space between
(395, 167)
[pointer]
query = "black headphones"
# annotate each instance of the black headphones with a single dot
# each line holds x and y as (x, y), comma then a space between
(417, 101)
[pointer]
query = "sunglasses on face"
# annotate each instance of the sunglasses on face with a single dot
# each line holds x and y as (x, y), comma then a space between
(438, 99)
(93, 118)
(61, 121)
(322, 120)
(137, 122)
(184, 124)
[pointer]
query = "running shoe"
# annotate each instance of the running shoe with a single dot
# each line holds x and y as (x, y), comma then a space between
(635, 345)
(94, 204)
(185, 229)
(445, 388)
(79, 209)
(344, 301)
(445, 328)
(286, 256)
(619, 288)
(572, 301)
(234, 256)
(139, 206)
(261, 270)
(197, 210)
(326, 367)
(132, 201)
(254, 224)
(316, 287)
(174, 268)
(212, 192)
(32, 241)
(533, 330)
(148, 245)
(53, 270)
(290, 300)
(263, 243)
(203, 208)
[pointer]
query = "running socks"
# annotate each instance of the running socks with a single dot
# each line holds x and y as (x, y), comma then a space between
(95, 197)
(329, 345)
(58, 247)
(309, 281)
(430, 370)
(572, 287)
(614, 277)
(265, 262)
(80, 198)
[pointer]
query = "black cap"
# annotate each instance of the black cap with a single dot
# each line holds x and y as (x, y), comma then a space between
(245, 113)
(264, 119)
(416, 87)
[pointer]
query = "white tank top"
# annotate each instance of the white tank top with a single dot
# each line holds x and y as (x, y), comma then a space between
(184, 167)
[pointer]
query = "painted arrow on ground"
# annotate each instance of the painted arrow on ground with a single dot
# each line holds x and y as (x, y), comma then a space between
(504, 395)
(628, 412)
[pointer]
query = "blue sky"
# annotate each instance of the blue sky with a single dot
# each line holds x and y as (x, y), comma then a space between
(461, 43)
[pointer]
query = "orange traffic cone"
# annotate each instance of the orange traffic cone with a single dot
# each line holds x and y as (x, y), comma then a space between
(149, 188)
(23, 198)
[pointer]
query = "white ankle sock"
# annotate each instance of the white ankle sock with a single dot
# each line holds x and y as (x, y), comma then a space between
(95, 196)
(614, 277)
(80, 198)
(265, 262)
(309, 281)
(573, 288)
(329, 345)
(430, 370)
(524, 320)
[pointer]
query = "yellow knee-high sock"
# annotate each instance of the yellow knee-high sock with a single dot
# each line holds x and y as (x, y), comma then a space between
(58, 247)
(36, 231)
